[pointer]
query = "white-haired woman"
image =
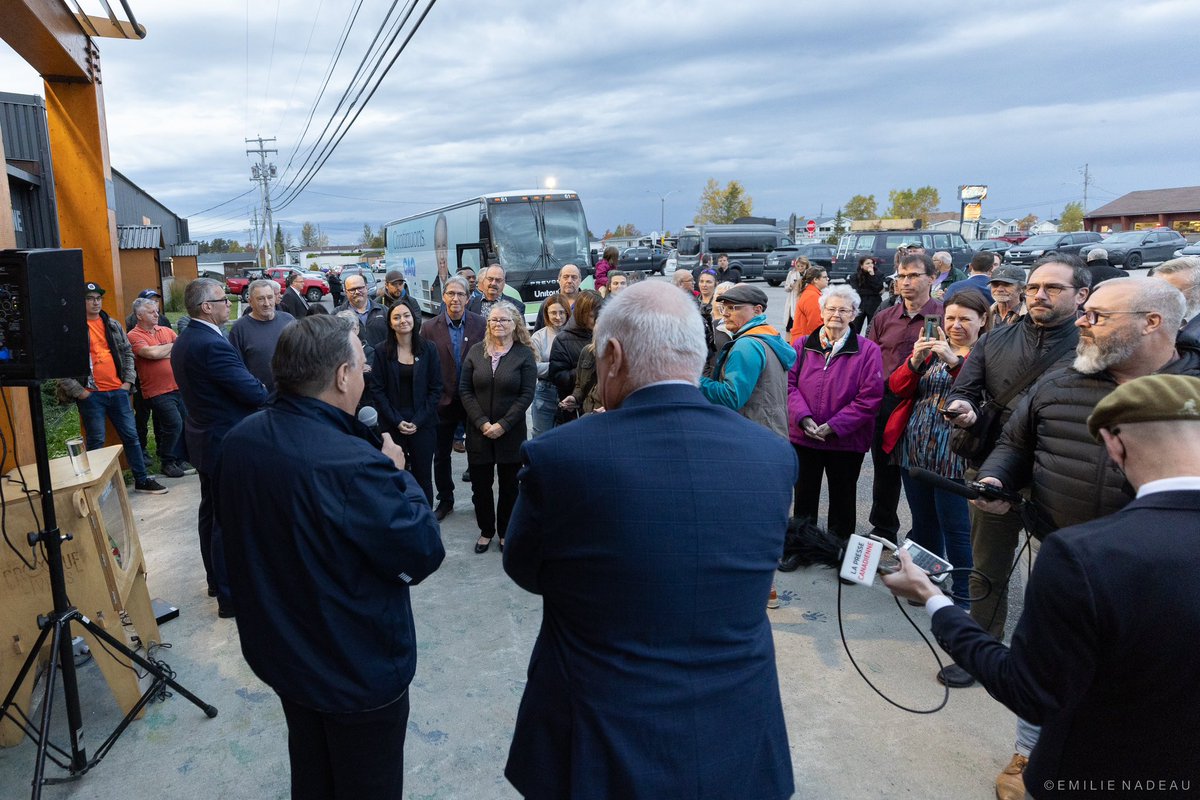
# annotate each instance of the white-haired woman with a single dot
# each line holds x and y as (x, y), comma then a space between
(834, 392)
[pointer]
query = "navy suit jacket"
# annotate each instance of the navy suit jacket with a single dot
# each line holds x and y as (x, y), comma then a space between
(218, 391)
(1106, 655)
(653, 674)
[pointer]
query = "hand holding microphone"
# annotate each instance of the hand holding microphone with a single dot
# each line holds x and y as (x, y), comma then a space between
(910, 581)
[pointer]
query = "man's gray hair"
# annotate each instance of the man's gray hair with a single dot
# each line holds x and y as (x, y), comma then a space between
(660, 331)
(352, 316)
(942, 257)
(1189, 267)
(459, 281)
(1160, 297)
(197, 292)
(680, 276)
(494, 265)
(309, 353)
(260, 283)
(843, 291)
(143, 302)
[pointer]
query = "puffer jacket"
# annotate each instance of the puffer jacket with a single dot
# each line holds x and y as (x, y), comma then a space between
(564, 356)
(1046, 445)
(1001, 356)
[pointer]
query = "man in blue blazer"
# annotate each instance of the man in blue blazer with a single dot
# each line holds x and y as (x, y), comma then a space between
(1104, 656)
(218, 392)
(653, 674)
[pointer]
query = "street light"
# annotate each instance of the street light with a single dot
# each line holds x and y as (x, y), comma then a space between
(662, 209)
(550, 182)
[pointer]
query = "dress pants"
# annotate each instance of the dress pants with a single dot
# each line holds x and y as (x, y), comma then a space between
(347, 756)
(842, 470)
(994, 541)
(418, 454)
(212, 552)
(449, 418)
(493, 515)
(885, 490)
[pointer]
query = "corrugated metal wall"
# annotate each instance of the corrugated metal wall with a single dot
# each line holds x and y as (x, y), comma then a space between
(29, 171)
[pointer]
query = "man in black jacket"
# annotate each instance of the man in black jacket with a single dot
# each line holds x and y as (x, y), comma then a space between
(322, 583)
(1127, 331)
(1100, 653)
(1059, 286)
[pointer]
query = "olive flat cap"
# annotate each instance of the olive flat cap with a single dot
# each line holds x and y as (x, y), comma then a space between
(741, 293)
(1152, 398)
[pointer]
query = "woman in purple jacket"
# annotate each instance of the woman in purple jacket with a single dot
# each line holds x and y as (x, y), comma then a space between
(834, 392)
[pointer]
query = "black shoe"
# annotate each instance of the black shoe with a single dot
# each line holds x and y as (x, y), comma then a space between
(212, 591)
(466, 476)
(790, 562)
(172, 470)
(483, 548)
(443, 510)
(225, 612)
(955, 677)
(149, 486)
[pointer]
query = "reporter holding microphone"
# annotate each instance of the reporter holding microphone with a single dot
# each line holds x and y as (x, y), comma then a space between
(1104, 655)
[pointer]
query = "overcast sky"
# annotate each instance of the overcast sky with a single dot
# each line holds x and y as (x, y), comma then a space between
(805, 103)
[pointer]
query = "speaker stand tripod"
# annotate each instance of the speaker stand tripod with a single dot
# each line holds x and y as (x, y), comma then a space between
(56, 626)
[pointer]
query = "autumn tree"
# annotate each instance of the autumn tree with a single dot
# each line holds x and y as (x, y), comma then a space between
(862, 207)
(723, 205)
(1071, 218)
(280, 246)
(912, 203)
(1026, 222)
(626, 231)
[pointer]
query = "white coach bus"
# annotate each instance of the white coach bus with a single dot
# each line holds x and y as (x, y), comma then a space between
(530, 233)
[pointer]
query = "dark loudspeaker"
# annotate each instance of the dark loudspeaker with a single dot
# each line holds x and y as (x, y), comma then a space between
(43, 325)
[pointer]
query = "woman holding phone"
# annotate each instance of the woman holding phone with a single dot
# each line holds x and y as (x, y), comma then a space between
(918, 432)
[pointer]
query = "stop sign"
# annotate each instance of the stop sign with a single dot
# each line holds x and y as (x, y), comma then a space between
(811, 227)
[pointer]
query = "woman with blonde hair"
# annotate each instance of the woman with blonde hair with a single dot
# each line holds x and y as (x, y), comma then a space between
(499, 376)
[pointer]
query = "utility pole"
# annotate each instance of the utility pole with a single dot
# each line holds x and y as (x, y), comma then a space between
(257, 235)
(263, 173)
(1086, 180)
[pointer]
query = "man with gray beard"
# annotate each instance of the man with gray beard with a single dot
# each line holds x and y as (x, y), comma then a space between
(1127, 330)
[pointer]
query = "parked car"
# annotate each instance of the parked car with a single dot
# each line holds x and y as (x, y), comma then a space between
(1191, 250)
(315, 285)
(779, 261)
(370, 277)
(1134, 248)
(882, 245)
(645, 259)
(990, 245)
(1045, 244)
(672, 263)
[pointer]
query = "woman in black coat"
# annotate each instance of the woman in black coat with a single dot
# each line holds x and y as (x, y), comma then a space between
(568, 344)
(499, 376)
(868, 281)
(405, 384)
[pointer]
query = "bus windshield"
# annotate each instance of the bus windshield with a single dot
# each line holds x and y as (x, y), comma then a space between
(689, 244)
(566, 233)
(515, 234)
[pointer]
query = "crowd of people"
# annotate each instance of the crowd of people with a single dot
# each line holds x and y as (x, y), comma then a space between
(990, 375)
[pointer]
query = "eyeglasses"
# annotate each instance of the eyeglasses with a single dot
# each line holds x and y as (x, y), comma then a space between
(1052, 290)
(224, 300)
(454, 294)
(357, 289)
(840, 312)
(501, 322)
(731, 306)
(1092, 317)
(909, 276)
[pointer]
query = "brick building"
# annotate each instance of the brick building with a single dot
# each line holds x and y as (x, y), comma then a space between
(1178, 209)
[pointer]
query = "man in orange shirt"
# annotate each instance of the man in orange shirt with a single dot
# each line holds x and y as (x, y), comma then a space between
(104, 391)
(152, 344)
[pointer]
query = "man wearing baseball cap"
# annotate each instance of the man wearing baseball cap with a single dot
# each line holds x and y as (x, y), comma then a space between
(1104, 652)
(104, 391)
(148, 294)
(1007, 284)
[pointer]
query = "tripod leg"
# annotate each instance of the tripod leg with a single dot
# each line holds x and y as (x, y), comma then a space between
(149, 666)
(30, 660)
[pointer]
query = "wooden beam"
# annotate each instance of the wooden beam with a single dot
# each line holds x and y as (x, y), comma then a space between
(46, 34)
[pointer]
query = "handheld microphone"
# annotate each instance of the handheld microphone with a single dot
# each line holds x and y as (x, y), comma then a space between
(370, 417)
(972, 490)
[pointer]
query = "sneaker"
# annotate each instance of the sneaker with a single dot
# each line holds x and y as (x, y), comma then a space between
(172, 471)
(460, 447)
(1010, 783)
(149, 486)
(187, 468)
(773, 599)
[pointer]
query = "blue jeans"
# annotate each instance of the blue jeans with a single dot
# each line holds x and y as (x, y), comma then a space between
(169, 416)
(545, 406)
(942, 525)
(114, 405)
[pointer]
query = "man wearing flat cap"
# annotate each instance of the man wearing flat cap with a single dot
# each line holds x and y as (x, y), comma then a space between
(1104, 656)
(750, 373)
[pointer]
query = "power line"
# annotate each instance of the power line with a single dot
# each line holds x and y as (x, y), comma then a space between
(354, 79)
(333, 145)
(218, 205)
